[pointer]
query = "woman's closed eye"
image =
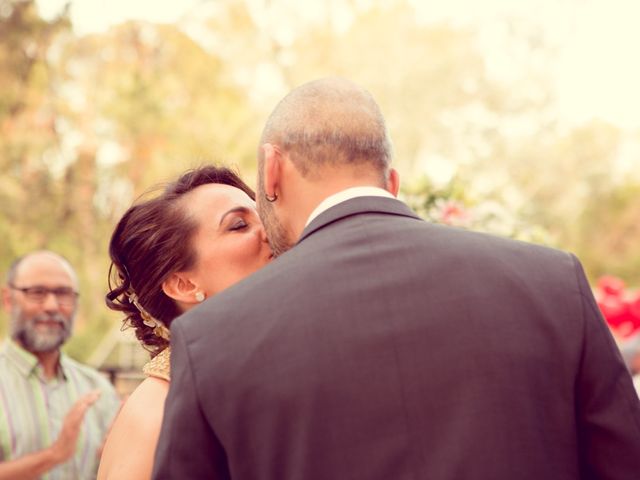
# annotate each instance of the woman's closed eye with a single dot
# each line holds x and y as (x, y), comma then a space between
(238, 224)
(235, 219)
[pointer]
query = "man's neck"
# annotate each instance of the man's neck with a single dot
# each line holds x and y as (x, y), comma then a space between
(312, 195)
(303, 194)
(49, 361)
(347, 194)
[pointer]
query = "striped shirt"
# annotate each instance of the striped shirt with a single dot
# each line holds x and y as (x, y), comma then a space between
(33, 408)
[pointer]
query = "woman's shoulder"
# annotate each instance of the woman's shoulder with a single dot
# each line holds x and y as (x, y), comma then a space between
(149, 386)
(137, 424)
(146, 402)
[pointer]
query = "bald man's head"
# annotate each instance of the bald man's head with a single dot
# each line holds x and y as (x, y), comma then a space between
(41, 298)
(38, 258)
(330, 122)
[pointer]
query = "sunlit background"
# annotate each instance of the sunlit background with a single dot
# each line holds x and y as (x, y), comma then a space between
(521, 118)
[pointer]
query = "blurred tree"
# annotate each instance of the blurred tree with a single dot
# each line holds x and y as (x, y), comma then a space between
(88, 123)
(607, 233)
(566, 175)
(145, 102)
(28, 136)
(153, 102)
(29, 189)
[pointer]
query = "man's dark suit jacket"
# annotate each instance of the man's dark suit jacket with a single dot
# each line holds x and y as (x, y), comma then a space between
(382, 347)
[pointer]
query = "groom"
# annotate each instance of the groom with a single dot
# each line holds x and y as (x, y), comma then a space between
(379, 346)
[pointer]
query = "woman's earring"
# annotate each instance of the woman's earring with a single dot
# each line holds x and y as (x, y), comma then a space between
(200, 296)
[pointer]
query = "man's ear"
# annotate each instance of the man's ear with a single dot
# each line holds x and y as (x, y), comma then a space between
(272, 168)
(179, 287)
(393, 182)
(6, 299)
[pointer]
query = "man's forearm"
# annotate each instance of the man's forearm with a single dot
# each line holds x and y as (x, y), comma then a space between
(30, 466)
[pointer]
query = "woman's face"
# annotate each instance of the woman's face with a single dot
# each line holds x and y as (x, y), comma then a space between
(230, 242)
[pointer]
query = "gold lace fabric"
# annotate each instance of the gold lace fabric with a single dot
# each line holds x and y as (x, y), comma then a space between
(159, 366)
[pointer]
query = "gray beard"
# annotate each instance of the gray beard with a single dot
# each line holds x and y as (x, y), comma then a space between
(36, 340)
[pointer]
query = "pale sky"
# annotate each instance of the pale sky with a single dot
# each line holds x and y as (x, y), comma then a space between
(600, 68)
(597, 74)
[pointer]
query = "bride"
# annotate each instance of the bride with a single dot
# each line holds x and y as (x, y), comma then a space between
(201, 235)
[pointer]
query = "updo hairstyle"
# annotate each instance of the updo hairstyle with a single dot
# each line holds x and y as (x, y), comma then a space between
(152, 241)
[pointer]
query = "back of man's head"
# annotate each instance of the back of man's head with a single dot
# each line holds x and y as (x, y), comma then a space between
(330, 122)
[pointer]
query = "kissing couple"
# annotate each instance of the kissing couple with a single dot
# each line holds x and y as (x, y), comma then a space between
(325, 331)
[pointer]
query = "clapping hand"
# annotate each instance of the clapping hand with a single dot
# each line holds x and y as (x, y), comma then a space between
(65, 445)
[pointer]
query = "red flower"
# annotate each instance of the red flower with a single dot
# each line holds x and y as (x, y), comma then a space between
(620, 309)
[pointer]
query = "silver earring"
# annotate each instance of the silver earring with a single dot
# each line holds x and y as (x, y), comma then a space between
(199, 296)
(271, 198)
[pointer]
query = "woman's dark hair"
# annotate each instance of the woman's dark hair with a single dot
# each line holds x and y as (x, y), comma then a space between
(148, 245)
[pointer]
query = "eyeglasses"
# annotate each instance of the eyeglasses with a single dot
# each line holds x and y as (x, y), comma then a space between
(65, 296)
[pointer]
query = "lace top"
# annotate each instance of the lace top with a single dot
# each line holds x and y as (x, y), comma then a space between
(159, 366)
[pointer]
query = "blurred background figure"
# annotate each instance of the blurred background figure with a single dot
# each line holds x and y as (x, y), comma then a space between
(55, 412)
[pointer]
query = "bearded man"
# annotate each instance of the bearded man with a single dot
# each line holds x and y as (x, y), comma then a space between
(54, 412)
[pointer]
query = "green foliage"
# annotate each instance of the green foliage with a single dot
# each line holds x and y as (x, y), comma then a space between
(610, 223)
(26, 128)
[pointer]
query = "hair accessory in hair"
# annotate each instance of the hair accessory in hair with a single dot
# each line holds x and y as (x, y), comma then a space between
(159, 329)
(200, 296)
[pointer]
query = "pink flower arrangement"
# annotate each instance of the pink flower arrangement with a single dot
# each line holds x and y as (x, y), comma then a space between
(451, 212)
(489, 216)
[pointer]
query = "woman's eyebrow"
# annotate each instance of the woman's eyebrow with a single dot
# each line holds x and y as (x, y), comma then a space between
(234, 210)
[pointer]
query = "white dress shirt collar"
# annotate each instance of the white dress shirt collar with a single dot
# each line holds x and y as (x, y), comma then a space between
(344, 195)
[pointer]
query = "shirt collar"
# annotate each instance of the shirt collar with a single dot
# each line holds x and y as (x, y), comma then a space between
(26, 362)
(344, 195)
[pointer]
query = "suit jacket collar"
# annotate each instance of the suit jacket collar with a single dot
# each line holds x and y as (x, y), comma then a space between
(356, 206)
